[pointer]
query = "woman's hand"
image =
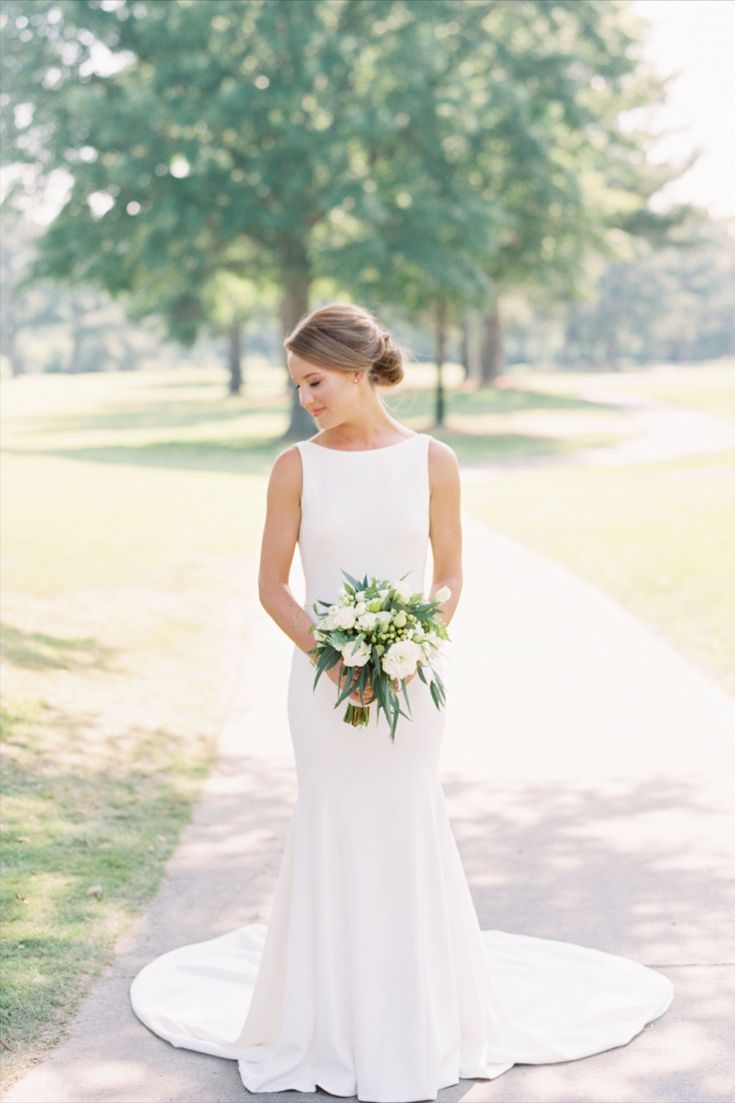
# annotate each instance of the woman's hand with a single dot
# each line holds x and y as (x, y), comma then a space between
(338, 674)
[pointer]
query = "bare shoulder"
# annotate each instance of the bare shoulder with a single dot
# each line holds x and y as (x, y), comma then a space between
(285, 476)
(443, 465)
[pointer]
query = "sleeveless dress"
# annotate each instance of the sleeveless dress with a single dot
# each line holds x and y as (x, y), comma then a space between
(373, 977)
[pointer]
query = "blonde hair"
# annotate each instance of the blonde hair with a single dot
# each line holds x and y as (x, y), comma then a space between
(348, 338)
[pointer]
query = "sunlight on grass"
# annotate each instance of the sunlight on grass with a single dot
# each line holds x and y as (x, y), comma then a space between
(659, 537)
(708, 388)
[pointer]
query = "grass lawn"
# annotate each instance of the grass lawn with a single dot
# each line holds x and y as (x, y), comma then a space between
(660, 537)
(707, 387)
(127, 574)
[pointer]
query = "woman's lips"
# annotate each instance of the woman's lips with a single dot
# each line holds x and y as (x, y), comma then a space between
(317, 413)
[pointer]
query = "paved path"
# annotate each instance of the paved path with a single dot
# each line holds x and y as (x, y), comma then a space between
(659, 431)
(662, 430)
(589, 787)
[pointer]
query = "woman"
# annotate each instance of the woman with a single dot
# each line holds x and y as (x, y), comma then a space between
(373, 977)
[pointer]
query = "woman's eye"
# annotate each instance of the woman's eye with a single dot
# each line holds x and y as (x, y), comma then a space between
(314, 384)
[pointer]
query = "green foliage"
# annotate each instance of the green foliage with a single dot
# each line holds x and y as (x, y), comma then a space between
(416, 152)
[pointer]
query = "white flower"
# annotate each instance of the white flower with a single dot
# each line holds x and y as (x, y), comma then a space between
(403, 589)
(401, 658)
(384, 616)
(360, 608)
(345, 617)
(442, 594)
(344, 597)
(356, 653)
(367, 621)
(399, 619)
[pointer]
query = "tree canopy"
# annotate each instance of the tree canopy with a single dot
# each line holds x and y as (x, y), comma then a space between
(423, 153)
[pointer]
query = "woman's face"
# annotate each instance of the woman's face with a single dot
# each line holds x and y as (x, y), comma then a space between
(329, 395)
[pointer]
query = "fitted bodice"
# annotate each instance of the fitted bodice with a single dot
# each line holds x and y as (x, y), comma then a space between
(365, 512)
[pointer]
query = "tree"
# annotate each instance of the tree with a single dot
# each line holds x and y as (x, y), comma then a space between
(283, 142)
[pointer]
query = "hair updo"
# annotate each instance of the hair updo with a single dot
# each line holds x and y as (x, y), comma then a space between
(347, 338)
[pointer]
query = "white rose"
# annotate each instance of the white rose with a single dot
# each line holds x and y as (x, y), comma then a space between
(367, 621)
(403, 589)
(356, 653)
(401, 658)
(442, 594)
(360, 608)
(345, 617)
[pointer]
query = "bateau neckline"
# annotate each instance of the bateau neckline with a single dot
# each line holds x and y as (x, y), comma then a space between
(362, 451)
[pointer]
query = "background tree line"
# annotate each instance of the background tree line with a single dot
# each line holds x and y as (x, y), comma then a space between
(226, 158)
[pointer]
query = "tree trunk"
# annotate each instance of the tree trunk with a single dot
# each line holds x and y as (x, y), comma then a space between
(491, 359)
(9, 330)
(440, 336)
(464, 345)
(234, 355)
(17, 364)
(294, 305)
(473, 351)
(77, 338)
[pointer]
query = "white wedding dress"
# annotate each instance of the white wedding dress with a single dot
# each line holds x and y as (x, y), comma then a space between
(373, 977)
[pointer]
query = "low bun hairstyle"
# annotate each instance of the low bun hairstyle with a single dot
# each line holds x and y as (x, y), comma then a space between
(348, 338)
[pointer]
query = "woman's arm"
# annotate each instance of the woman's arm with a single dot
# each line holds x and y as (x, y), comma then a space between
(280, 535)
(445, 530)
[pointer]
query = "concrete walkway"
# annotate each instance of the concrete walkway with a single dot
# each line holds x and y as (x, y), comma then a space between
(662, 430)
(588, 771)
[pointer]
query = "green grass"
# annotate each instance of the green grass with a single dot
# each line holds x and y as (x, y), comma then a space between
(708, 387)
(87, 830)
(124, 593)
(659, 537)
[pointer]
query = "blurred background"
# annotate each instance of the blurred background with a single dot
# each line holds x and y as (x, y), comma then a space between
(535, 196)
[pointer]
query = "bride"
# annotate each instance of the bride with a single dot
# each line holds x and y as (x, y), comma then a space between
(373, 977)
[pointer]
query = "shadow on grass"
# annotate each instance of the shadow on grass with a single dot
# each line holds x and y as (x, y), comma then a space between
(88, 830)
(256, 457)
(39, 651)
(511, 400)
(249, 454)
(150, 416)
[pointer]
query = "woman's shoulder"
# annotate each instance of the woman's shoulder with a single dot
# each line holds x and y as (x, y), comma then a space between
(443, 465)
(441, 454)
(285, 474)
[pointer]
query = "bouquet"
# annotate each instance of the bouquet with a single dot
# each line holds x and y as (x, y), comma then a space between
(385, 632)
